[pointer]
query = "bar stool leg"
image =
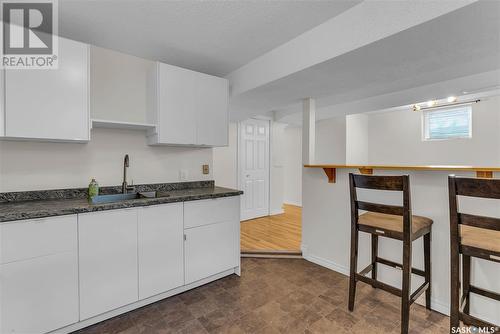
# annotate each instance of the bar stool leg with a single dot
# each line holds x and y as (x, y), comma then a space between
(427, 267)
(466, 281)
(405, 298)
(454, 287)
(374, 256)
(354, 266)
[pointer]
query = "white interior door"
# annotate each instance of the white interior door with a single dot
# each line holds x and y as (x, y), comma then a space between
(254, 168)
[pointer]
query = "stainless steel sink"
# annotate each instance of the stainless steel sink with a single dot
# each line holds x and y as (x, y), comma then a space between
(154, 194)
(101, 199)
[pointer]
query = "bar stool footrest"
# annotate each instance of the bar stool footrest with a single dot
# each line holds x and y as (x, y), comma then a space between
(484, 293)
(366, 270)
(379, 285)
(399, 266)
(473, 321)
(421, 289)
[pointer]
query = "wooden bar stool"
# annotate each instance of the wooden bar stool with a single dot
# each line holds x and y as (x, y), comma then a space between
(471, 236)
(395, 222)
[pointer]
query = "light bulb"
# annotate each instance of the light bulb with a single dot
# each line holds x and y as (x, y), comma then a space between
(416, 107)
(431, 103)
(451, 99)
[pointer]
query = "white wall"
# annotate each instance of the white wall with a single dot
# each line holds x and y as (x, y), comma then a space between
(293, 166)
(396, 138)
(225, 168)
(357, 139)
(118, 91)
(277, 168)
(330, 141)
(30, 166)
(119, 84)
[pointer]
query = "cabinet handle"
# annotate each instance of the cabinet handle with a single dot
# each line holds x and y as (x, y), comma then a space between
(185, 238)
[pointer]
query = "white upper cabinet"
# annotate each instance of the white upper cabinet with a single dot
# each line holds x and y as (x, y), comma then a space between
(211, 109)
(189, 108)
(176, 105)
(50, 104)
(2, 104)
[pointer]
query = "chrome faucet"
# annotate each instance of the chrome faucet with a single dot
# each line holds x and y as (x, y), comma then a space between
(125, 186)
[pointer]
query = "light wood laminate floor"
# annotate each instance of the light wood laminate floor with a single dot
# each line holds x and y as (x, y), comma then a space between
(281, 232)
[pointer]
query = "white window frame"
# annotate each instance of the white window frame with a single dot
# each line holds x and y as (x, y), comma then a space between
(425, 130)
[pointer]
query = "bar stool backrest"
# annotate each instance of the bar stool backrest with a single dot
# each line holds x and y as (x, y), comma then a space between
(379, 182)
(472, 187)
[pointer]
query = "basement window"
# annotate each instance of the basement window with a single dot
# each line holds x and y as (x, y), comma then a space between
(450, 123)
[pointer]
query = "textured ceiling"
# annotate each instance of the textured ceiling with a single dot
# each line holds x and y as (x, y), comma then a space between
(214, 37)
(459, 44)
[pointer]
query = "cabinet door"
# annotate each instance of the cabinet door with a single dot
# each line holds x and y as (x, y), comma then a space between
(212, 110)
(39, 295)
(108, 261)
(50, 104)
(2, 104)
(161, 253)
(210, 249)
(176, 105)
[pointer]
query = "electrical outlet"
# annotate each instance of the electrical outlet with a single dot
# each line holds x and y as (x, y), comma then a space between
(206, 169)
(183, 175)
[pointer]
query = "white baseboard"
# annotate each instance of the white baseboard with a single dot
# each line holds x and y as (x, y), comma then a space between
(276, 212)
(293, 203)
(438, 306)
(324, 262)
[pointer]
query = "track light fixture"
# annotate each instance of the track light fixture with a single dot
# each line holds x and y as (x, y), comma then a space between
(433, 104)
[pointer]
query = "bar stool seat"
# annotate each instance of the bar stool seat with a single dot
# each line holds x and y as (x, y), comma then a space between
(394, 223)
(480, 238)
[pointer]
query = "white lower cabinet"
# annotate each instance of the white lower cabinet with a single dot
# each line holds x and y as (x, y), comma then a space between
(38, 275)
(161, 253)
(210, 249)
(39, 295)
(57, 272)
(108, 261)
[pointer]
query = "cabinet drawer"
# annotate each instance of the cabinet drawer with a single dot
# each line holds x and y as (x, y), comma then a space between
(26, 239)
(210, 211)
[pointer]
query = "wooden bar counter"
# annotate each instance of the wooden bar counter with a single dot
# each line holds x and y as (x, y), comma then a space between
(331, 170)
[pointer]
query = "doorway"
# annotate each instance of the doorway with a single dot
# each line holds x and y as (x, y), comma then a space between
(271, 225)
(253, 168)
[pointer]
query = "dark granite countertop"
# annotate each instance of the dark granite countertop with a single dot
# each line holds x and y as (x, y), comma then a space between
(39, 208)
